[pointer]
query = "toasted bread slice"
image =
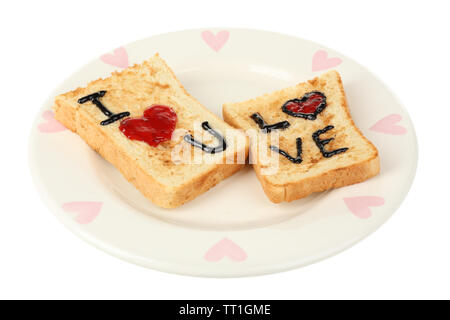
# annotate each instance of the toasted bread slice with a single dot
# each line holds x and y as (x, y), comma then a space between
(152, 170)
(315, 111)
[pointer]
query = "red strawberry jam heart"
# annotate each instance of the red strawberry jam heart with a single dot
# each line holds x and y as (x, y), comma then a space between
(155, 126)
(308, 107)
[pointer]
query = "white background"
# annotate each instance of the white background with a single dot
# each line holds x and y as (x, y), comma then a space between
(406, 43)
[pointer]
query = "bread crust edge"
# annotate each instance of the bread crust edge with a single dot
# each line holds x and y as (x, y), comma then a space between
(161, 195)
(332, 179)
(336, 178)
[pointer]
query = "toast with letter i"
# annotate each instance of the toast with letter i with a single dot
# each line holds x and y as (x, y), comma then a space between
(308, 129)
(144, 122)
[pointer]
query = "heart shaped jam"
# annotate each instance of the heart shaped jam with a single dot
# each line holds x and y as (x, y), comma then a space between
(155, 126)
(308, 107)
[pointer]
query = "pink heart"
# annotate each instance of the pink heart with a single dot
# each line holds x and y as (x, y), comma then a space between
(87, 210)
(224, 248)
(217, 41)
(51, 125)
(359, 206)
(118, 59)
(388, 125)
(321, 61)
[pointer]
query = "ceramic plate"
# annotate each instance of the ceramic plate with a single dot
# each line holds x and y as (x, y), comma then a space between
(233, 229)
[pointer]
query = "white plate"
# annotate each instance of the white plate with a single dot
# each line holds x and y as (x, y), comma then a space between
(233, 229)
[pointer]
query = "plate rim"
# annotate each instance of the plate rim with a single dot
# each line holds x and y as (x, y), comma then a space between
(165, 266)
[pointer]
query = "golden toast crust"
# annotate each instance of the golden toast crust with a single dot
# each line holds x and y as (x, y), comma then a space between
(110, 147)
(346, 174)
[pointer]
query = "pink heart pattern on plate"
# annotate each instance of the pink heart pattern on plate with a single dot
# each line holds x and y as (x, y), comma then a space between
(359, 206)
(119, 58)
(86, 211)
(321, 61)
(215, 42)
(225, 247)
(51, 125)
(388, 125)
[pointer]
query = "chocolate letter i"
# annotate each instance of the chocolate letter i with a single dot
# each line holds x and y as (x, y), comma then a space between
(112, 117)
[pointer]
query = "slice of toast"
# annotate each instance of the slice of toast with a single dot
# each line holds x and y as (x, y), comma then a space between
(152, 169)
(317, 147)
